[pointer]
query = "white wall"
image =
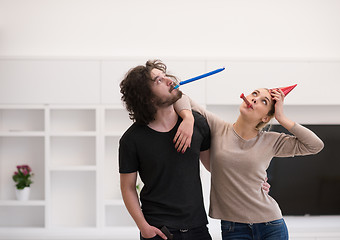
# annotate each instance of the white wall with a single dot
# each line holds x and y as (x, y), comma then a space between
(88, 36)
(246, 29)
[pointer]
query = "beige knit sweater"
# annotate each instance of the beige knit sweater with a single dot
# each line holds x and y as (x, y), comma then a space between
(238, 167)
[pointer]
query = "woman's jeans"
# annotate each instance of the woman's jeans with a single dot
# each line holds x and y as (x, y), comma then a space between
(274, 230)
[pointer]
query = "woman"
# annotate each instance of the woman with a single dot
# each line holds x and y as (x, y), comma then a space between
(240, 154)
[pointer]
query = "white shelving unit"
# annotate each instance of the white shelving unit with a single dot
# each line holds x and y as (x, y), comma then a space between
(115, 123)
(73, 152)
(22, 141)
(68, 131)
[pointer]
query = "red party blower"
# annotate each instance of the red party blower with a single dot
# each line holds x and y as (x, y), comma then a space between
(246, 101)
(285, 90)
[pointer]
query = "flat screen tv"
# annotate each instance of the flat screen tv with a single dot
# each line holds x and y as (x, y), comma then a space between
(309, 185)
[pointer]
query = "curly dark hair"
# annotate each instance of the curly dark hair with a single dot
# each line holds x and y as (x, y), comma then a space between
(136, 91)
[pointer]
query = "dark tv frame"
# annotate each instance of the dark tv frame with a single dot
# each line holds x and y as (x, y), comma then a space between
(308, 185)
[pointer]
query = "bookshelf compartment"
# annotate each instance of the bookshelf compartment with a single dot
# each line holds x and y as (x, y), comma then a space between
(111, 169)
(73, 199)
(73, 120)
(22, 216)
(116, 121)
(73, 151)
(21, 151)
(118, 216)
(21, 120)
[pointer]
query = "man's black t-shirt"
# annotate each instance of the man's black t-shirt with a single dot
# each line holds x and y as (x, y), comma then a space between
(172, 192)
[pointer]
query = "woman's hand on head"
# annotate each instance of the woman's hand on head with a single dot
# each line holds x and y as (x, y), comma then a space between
(278, 96)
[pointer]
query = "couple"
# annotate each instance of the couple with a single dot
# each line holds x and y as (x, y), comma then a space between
(165, 149)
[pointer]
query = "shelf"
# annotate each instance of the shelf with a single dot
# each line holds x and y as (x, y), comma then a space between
(22, 216)
(72, 151)
(124, 218)
(73, 199)
(116, 121)
(73, 134)
(73, 168)
(111, 172)
(18, 151)
(72, 146)
(21, 120)
(21, 134)
(113, 134)
(22, 203)
(72, 120)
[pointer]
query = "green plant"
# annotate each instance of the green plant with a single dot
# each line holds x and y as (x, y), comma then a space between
(138, 188)
(23, 177)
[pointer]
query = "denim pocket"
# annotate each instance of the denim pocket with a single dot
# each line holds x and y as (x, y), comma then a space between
(227, 226)
(275, 222)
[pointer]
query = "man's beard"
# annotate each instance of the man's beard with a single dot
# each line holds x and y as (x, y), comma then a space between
(159, 102)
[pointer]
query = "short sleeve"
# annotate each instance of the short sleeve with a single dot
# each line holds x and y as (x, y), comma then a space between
(128, 159)
(203, 127)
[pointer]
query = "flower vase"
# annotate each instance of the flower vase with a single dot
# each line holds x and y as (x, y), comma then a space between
(23, 194)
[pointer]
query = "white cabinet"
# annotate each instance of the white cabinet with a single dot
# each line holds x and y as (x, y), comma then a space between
(185, 69)
(22, 141)
(315, 80)
(96, 81)
(70, 137)
(73, 198)
(73, 152)
(49, 81)
(116, 121)
(113, 73)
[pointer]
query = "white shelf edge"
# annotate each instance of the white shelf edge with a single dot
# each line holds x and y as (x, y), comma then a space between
(90, 107)
(22, 133)
(22, 107)
(73, 134)
(74, 168)
(113, 134)
(113, 106)
(22, 203)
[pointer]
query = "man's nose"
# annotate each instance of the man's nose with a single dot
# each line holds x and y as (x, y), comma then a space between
(168, 81)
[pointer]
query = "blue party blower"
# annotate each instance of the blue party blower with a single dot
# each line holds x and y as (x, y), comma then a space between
(199, 77)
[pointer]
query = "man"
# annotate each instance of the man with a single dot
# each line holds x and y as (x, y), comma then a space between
(172, 193)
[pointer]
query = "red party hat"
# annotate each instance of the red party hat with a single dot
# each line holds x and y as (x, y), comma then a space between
(286, 90)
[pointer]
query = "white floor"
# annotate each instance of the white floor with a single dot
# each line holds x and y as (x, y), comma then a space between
(300, 228)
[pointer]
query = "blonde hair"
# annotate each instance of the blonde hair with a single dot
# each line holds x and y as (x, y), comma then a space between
(270, 114)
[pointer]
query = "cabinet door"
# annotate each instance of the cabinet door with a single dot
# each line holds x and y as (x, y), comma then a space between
(49, 81)
(113, 73)
(315, 81)
(186, 69)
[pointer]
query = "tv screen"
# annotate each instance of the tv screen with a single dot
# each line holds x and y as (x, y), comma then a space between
(309, 185)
